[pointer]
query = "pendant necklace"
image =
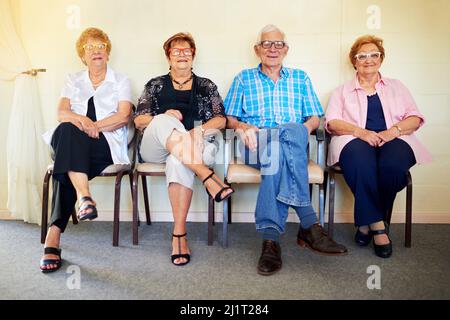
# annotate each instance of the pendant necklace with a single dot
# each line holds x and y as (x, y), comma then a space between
(180, 85)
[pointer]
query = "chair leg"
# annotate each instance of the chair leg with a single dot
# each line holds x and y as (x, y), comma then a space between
(44, 219)
(325, 186)
(226, 214)
(117, 209)
(230, 221)
(408, 222)
(146, 202)
(135, 207)
(321, 203)
(332, 188)
(210, 220)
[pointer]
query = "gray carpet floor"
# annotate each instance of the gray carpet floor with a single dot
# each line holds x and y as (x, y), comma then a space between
(145, 271)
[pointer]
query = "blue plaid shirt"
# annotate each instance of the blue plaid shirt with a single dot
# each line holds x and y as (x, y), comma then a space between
(256, 99)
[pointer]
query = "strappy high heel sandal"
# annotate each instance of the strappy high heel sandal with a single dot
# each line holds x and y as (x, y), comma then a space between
(47, 262)
(88, 216)
(186, 256)
(218, 198)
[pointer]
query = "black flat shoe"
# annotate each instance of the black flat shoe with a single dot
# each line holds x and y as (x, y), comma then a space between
(47, 262)
(384, 250)
(186, 256)
(362, 239)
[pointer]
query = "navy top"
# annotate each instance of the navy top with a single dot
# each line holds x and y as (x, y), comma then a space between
(375, 116)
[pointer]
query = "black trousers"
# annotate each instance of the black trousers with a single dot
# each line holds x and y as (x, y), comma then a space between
(375, 175)
(74, 151)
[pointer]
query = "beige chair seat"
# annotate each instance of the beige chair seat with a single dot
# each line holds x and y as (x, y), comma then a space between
(149, 167)
(241, 173)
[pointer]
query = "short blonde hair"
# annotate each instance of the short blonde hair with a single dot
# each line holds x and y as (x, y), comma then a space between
(179, 37)
(92, 33)
(367, 39)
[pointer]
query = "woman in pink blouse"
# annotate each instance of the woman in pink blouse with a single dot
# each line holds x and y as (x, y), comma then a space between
(372, 120)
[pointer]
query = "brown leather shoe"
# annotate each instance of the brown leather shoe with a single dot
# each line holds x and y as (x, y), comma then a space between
(316, 239)
(270, 260)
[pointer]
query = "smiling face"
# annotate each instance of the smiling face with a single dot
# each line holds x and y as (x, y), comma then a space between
(95, 53)
(178, 59)
(370, 65)
(271, 57)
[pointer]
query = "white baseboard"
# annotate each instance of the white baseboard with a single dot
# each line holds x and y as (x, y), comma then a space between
(248, 217)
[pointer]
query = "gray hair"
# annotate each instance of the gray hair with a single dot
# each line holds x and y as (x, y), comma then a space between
(270, 28)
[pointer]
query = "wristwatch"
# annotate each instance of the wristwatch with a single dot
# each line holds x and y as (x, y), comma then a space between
(398, 128)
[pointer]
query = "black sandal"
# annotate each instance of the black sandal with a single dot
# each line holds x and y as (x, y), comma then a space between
(186, 256)
(47, 262)
(88, 216)
(217, 198)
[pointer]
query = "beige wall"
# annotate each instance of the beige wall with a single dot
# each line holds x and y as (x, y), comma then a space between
(320, 32)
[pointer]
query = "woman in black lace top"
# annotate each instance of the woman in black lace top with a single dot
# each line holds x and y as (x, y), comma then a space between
(177, 112)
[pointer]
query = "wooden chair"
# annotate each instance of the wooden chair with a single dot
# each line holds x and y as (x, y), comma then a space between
(113, 170)
(331, 171)
(147, 169)
(238, 173)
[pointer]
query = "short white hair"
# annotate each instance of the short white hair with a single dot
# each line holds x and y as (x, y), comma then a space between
(270, 28)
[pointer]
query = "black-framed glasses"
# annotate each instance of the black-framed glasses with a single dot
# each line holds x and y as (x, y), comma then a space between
(266, 44)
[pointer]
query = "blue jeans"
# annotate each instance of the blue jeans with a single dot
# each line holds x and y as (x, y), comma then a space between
(283, 160)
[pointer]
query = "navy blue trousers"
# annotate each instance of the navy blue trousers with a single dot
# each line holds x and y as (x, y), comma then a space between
(375, 175)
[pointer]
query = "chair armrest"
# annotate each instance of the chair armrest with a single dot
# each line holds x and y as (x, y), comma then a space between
(321, 138)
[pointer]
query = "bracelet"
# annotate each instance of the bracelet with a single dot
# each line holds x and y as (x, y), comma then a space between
(398, 128)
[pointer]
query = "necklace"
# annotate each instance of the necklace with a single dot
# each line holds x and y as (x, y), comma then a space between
(180, 85)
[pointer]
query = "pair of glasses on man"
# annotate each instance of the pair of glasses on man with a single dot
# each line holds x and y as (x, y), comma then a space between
(177, 51)
(92, 47)
(266, 44)
(364, 56)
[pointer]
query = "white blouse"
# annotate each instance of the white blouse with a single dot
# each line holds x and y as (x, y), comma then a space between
(115, 88)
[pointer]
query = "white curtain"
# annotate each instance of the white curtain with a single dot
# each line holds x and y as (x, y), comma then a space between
(27, 155)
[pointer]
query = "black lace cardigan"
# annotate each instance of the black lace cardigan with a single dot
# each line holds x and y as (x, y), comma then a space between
(206, 101)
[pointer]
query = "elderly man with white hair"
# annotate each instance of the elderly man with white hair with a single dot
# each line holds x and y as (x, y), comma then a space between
(274, 109)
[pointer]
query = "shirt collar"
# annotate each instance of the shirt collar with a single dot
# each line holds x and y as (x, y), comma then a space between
(355, 85)
(284, 72)
(110, 75)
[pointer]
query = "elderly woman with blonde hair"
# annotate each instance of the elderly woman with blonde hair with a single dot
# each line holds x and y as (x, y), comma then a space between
(372, 120)
(93, 112)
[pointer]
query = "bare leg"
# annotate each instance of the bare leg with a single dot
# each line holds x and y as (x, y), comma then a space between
(81, 184)
(180, 199)
(52, 240)
(182, 146)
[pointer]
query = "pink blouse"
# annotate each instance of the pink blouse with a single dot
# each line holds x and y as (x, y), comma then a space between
(349, 103)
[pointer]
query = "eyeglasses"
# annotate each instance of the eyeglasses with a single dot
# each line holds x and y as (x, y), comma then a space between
(177, 51)
(365, 56)
(91, 47)
(266, 44)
